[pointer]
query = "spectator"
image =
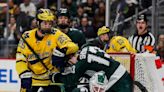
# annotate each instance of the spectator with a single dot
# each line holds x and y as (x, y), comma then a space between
(80, 11)
(71, 6)
(23, 21)
(87, 29)
(28, 7)
(161, 37)
(160, 47)
(33, 24)
(99, 18)
(79, 14)
(3, 11)
(12, 6)
(90, 7)
(143, 37)
(2, 25)
(10, 33)
(11, 36)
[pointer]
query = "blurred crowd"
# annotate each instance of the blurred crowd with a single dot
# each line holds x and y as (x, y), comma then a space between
(86, 15)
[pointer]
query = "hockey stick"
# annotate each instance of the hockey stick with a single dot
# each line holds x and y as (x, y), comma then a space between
(116, 22)
(140, 86)
(40, 60)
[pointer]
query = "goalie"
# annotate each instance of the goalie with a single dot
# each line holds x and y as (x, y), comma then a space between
(114, 77)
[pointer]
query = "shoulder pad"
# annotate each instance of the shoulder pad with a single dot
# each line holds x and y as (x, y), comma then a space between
(76, 30)
(73, 29)
(54, 30)
(26, 34)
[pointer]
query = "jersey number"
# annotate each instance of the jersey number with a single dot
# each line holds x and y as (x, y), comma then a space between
(94, 58)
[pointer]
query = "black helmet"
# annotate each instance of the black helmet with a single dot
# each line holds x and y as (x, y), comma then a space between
(142, 17)
(63, 12)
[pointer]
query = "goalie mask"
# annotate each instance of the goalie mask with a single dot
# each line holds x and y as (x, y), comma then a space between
(98, 82)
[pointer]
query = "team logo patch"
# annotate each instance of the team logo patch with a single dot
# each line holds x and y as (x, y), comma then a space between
(21, 44)
(48, 42)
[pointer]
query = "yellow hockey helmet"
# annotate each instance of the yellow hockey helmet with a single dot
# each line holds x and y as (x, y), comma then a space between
(120, 44)
(103, 30)
(45, 15)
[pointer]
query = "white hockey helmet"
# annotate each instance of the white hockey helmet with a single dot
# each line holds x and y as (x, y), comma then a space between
(98, 82)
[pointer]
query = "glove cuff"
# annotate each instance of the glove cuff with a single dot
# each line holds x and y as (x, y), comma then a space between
(55, 77)
(26, 75)
(59, 53)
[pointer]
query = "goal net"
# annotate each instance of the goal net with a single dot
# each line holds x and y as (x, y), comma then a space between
(142, 69)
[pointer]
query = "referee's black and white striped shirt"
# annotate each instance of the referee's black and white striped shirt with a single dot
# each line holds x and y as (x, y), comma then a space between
(139, 41)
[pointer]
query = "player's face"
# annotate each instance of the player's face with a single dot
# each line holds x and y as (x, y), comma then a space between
(141, 27)
(63, 20)
(46, 26)
(73, 59)
(97, 89)
(104, 37)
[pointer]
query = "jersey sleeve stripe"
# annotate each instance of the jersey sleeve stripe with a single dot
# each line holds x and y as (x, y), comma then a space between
(120, 71)
(153, 39)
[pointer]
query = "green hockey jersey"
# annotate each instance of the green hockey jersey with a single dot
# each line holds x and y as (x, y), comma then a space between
(92, 58)
(76, 36)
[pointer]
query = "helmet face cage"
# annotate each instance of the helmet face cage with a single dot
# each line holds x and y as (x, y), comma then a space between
(98, 82)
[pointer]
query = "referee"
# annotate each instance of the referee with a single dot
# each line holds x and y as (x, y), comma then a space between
(142, 38)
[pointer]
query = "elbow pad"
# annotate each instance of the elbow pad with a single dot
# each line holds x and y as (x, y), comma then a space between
(71, 48)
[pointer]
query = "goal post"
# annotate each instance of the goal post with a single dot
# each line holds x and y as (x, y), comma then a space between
(142, 69)
(126, 59)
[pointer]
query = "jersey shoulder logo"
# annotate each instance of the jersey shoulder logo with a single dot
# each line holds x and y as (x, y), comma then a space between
(49, 43)
(21, 44)
(26, 35)
(54, 30)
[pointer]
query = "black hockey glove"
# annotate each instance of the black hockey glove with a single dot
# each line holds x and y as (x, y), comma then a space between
(55, 77)
(26, 82)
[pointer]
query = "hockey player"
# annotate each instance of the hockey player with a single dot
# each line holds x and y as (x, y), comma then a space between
(120, 44)
(34, 52)
(90, 60)
(104, 35)
(63, 23)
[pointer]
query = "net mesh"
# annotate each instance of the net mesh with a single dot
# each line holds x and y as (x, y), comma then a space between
(142, 74)
(137, 67)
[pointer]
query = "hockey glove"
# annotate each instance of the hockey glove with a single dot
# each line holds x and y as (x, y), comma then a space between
(26, 82)
(55, 77)
(58, 57)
